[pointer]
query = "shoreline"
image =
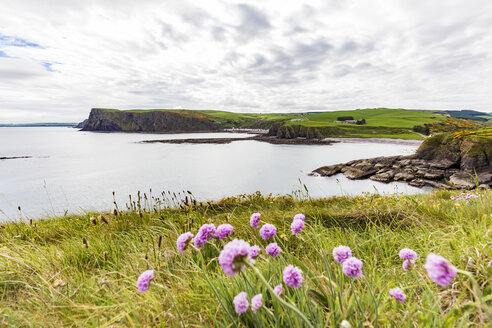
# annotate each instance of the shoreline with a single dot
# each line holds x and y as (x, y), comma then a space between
(379, 140)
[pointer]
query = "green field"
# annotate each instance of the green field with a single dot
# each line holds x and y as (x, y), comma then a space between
(81, 270)
(380, 122)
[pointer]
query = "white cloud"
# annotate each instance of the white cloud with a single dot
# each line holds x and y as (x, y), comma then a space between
(69, 56)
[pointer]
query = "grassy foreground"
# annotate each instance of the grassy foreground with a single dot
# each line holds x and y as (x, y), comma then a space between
(82, 270)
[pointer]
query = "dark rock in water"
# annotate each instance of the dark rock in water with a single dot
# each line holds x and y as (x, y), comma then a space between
(262, 138)
(356, 173)
(440, 162)
(330, 170)
(14, 157)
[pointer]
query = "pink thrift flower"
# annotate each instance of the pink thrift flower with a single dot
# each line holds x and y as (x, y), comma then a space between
(233, 257)
(279, 290)
(407, 264)
(144, 280)
(204, 234)
(407, 254)
(293, 276)
(273, 249)
(299, 216)
(268, 231)
(398, 294)
(223, 231)
(256, 302)
(352, 267)
(341, 253)
(183, 241)
(439, 270)
(254, 251)
(241, 303)
(296, 226)
(255, 218)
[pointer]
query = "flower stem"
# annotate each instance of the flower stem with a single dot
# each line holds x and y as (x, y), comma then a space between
(478, 294)
(283, 302)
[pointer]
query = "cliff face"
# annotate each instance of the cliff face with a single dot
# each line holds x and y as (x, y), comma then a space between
(150, 121)
(468, 153)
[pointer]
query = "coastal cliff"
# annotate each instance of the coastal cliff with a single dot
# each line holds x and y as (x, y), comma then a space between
(149, 121)
(442, 161)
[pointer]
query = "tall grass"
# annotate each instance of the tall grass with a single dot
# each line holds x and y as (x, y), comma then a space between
(81, 270)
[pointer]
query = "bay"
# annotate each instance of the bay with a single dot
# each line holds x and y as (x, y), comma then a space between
(73, 171)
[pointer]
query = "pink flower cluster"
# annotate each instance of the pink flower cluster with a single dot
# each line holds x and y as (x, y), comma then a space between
(241, 303)
(297, 223)
(268, 231)
(234, 257)
(272, 249)
(143, 281)
(293, 276)
(409, 256)
(204, 234)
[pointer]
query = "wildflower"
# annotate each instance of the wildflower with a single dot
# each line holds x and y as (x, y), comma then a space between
(241, 303)
(255, 218)
(272, 249)
(345, 324)
(407, 254)
(341, 253)
(183, 241)
(296, 226)
(279, 290)
(223, 231)
(299, 216)
(256, 302)
(406, 264)
(144, 280)
(268, 231)
(204, 234)
(352, 267)
(233, 257)
(398, 294)
(254, 251)
(293, 276)
(439, 270)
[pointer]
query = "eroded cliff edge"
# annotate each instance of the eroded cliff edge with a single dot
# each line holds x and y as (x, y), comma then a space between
(147, 121)
(442, 161)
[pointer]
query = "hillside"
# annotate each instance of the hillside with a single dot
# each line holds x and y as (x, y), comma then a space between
(81, 271)
(378, 122)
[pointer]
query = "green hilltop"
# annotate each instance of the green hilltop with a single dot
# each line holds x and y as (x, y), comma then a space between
(373, 122)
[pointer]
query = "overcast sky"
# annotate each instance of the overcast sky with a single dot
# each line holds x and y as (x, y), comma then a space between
(58, 59)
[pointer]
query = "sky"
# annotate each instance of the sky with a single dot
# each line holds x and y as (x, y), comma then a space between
(58, 59)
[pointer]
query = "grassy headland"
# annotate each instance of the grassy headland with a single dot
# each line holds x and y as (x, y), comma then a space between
(81, 270)
(379, 122)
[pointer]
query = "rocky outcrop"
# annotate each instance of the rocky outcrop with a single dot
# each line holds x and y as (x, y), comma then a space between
(14, 157)
(262, 138)
(81, 124)
(441, 162)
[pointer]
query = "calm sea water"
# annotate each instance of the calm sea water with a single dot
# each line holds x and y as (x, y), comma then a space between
(78, 171)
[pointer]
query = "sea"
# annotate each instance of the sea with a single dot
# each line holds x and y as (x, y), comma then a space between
(72, 171)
